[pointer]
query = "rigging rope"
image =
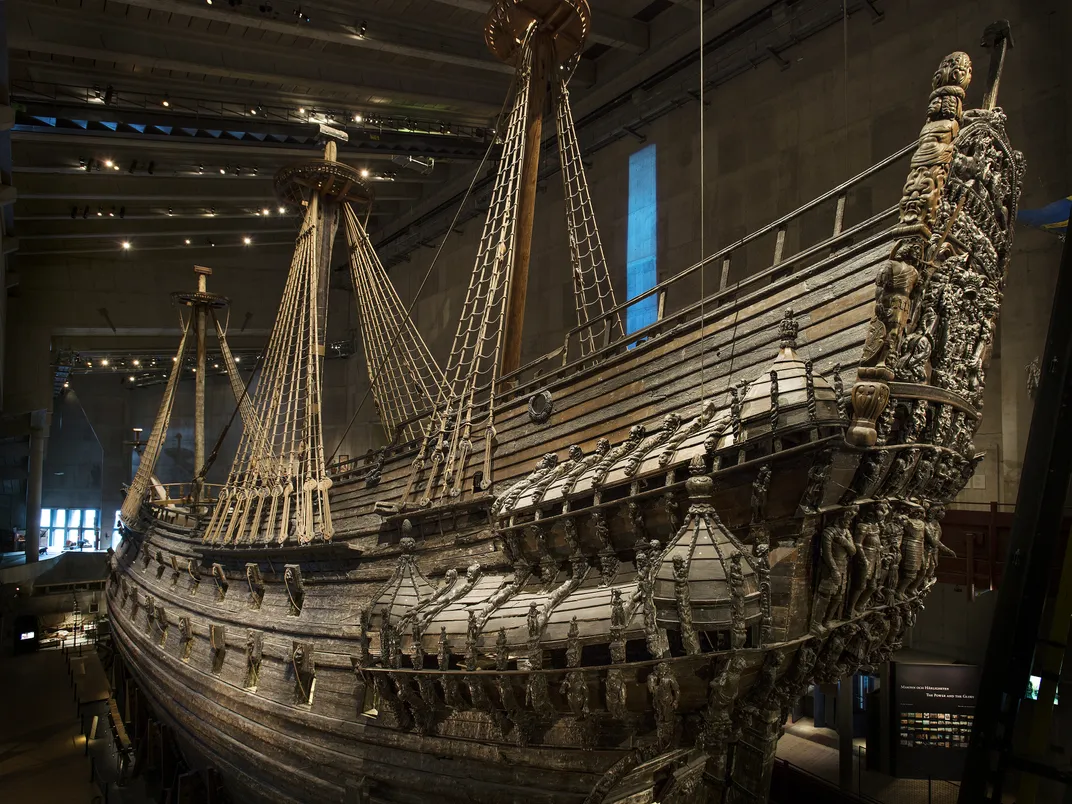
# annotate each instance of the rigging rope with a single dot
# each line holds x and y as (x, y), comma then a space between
(593, 293)
(465, 405)
(139, 486)
(280, 461)
(409, 378)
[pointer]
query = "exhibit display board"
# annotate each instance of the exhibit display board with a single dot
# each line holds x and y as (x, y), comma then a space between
(935, 707)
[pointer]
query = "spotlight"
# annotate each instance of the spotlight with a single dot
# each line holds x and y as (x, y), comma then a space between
(358, 118)
(165, 101)
(200, 168)
(301, 110)
(104, 362)
(112, 213)
(364, 173)
(215, 365)
(266, 211)
(237, 359)
(90, 365)
(211, 244)
(115, 167)
(126, 245)
(253, 110)
(108, 163)
(130, 379)
(66, 385)
(282, 210)
(174, 359)
(137, 362)
(253, 171)
(99, 212)
(247, 240)
(362, 29)
(170, 212)
(238, 170)
(187, 241)
(223, 171)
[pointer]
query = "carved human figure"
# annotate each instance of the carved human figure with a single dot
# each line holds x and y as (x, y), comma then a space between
(665, 694)
(868, 539)
(911, 547)
(892, 538)
(932, 546)
(836, 547)
(760, 489)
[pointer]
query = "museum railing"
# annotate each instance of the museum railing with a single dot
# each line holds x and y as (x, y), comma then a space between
(814, 235)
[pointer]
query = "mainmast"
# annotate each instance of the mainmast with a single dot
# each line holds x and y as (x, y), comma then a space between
(553, 33)
(544, 40)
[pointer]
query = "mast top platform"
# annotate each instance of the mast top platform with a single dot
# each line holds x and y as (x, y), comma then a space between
(332, 181)
(565, 23)
(201, 297)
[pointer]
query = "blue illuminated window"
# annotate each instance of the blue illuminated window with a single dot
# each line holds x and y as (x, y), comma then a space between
(642, 239)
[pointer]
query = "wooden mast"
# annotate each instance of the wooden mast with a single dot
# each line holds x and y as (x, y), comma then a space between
(200, 316)
(526, 208)
(554, 31)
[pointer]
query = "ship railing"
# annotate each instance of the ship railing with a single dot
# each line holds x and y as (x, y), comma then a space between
(805, 237)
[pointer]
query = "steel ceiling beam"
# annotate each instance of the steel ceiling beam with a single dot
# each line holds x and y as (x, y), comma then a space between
(467, 57)
(82, 35)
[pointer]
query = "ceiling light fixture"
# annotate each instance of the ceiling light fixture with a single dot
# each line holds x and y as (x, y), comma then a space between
(137, 362)
(108, 163)
(364, 173)
(358, 118)
(130, 379)
(282, 210)
(126, 245)
(247, 240)
(266, 211)
(187, 241)
(104, 362)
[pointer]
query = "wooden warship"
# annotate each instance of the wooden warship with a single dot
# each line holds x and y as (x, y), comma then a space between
(605, 575)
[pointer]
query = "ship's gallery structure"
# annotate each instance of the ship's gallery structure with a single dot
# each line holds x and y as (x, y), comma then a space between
(608, 572)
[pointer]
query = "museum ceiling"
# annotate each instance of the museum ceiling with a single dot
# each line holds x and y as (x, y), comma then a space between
(153, 125)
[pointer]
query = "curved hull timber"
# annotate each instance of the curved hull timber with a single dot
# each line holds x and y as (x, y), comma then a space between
(639, 614)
